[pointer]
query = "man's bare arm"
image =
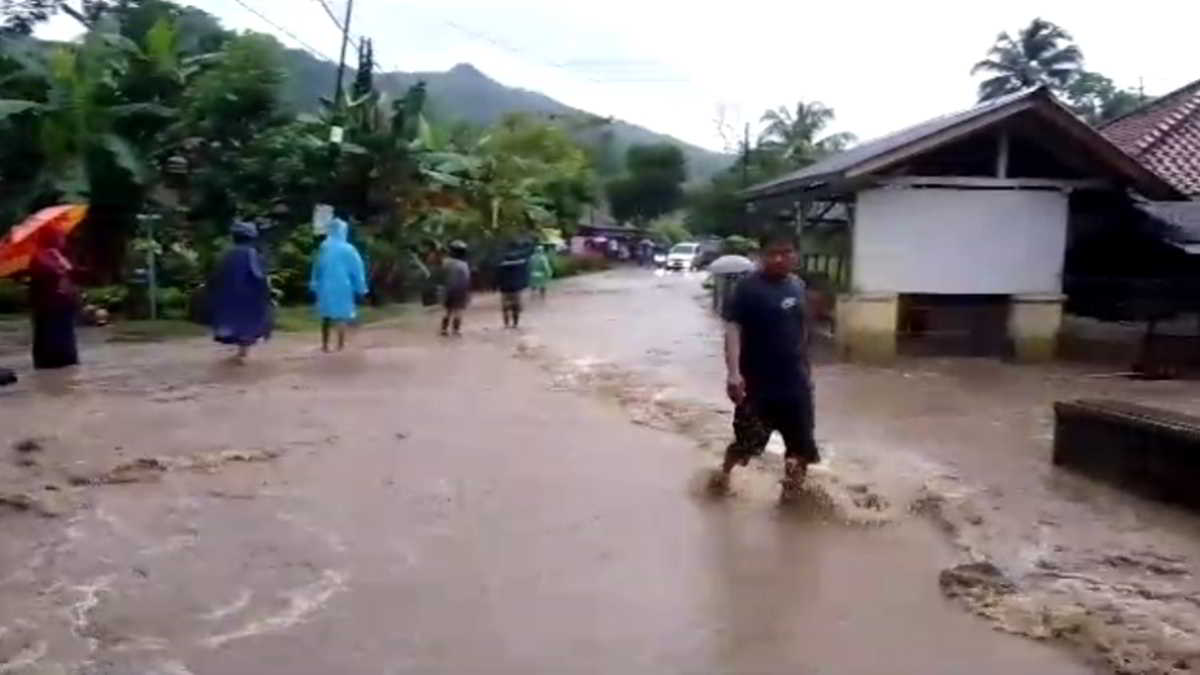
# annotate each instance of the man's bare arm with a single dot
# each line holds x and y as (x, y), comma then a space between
(735, 386)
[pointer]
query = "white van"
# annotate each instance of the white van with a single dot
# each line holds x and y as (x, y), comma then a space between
(683, 256)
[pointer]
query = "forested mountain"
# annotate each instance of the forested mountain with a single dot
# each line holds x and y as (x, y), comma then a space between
(464, 93)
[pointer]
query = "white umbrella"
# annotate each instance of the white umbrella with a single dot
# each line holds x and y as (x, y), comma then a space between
(731, 264)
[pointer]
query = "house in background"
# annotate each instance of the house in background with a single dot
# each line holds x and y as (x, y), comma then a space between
(1147, 269)
(959, 227)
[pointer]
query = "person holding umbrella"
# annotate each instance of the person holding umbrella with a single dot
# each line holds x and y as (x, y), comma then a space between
(54, 301)
(36, 250)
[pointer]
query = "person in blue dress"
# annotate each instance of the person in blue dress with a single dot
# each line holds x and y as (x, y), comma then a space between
(241, 298)
(338, 279)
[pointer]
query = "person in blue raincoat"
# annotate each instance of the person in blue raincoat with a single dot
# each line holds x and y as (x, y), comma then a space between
(241, 298)
(338, 278)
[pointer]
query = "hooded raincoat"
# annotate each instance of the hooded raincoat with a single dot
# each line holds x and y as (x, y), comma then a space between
(241, 298)
(338, 275)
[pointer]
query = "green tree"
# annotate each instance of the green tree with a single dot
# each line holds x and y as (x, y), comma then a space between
(1097, 99)
(796, 136)
(83, 121)
(226, 111)
(652, 185)
(669, 228)
(1042, 53)
(21, 16)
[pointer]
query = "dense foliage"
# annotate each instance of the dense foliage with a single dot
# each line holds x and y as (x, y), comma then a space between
(172, 128)
(652, 184)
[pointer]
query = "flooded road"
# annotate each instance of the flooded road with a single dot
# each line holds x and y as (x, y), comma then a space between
(533, 502)
(964, 442)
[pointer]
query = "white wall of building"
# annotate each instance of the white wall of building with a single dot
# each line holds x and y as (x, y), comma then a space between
(937, 240)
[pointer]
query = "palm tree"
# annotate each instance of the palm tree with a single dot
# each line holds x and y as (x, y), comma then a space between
(796, 136)
(1042, 53)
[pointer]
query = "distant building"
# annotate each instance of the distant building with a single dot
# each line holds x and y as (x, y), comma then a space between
(959, 227)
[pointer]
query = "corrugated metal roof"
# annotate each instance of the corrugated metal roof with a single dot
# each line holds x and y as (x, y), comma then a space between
(871, 149)
(893, 146)
(1182, 217)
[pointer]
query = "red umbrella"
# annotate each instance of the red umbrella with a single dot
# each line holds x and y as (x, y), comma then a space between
(18, 246)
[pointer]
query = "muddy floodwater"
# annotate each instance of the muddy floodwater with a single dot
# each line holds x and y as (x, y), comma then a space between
(533, 502)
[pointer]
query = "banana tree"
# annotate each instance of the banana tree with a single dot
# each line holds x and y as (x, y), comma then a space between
(80, 135)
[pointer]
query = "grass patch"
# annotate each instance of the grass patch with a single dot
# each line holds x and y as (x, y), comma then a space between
(300, 319)
(146, 330)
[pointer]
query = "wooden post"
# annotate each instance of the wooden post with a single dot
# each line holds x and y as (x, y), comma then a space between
(1002, 147)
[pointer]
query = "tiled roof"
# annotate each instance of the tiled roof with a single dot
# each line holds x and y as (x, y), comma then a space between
(1164, 135)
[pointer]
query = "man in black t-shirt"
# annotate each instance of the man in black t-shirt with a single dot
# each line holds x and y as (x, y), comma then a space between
(766, 356)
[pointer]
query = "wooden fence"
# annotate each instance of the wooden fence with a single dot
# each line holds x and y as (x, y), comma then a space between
(834, 268)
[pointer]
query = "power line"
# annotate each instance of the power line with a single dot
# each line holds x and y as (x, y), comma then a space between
(508, 48)
(573, 67)
(333, 17)
(302, 43)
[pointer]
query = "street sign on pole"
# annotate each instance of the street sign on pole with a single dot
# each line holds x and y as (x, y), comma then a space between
(322, 214)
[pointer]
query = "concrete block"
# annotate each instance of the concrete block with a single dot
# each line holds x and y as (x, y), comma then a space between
(866, 326)
(1034, 322)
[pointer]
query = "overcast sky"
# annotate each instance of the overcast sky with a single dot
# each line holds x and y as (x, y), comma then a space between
(669, 65)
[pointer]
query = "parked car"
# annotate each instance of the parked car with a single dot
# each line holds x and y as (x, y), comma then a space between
(683, 256)
(710, 250)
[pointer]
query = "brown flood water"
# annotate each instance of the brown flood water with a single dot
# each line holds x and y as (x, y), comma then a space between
(419, 506)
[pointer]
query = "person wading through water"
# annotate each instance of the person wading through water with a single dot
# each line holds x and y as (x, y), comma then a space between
(54, 301)
(512, 277)
(766, 357)
(456, 275)
(241, 299)
(338, 277)
(540, 271)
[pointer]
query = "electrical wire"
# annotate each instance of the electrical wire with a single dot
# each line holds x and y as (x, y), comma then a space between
(333, 17)
(302, 43)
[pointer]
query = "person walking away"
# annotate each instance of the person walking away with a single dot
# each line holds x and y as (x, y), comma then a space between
(766, 357)
(241, 299)
(457, 276)
(338, 278)
(540, 271)
(513, 278)
(54, 301)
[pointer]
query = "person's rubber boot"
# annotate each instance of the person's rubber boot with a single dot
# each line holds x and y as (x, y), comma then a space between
(516, 320)
(445, 326)
(457, 327)
(7, 377)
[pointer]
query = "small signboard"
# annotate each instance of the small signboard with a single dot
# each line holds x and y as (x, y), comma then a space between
(322, 214)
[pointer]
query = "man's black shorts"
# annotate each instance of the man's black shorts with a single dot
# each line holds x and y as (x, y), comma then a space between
(755, 420)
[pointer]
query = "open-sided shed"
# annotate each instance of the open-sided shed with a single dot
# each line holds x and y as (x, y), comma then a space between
(959, 226)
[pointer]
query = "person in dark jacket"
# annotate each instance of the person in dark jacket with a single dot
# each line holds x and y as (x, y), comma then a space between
(241, 299)
(512, 278)
(55, 303)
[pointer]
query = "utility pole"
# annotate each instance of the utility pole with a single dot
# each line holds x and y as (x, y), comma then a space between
(341, 72)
